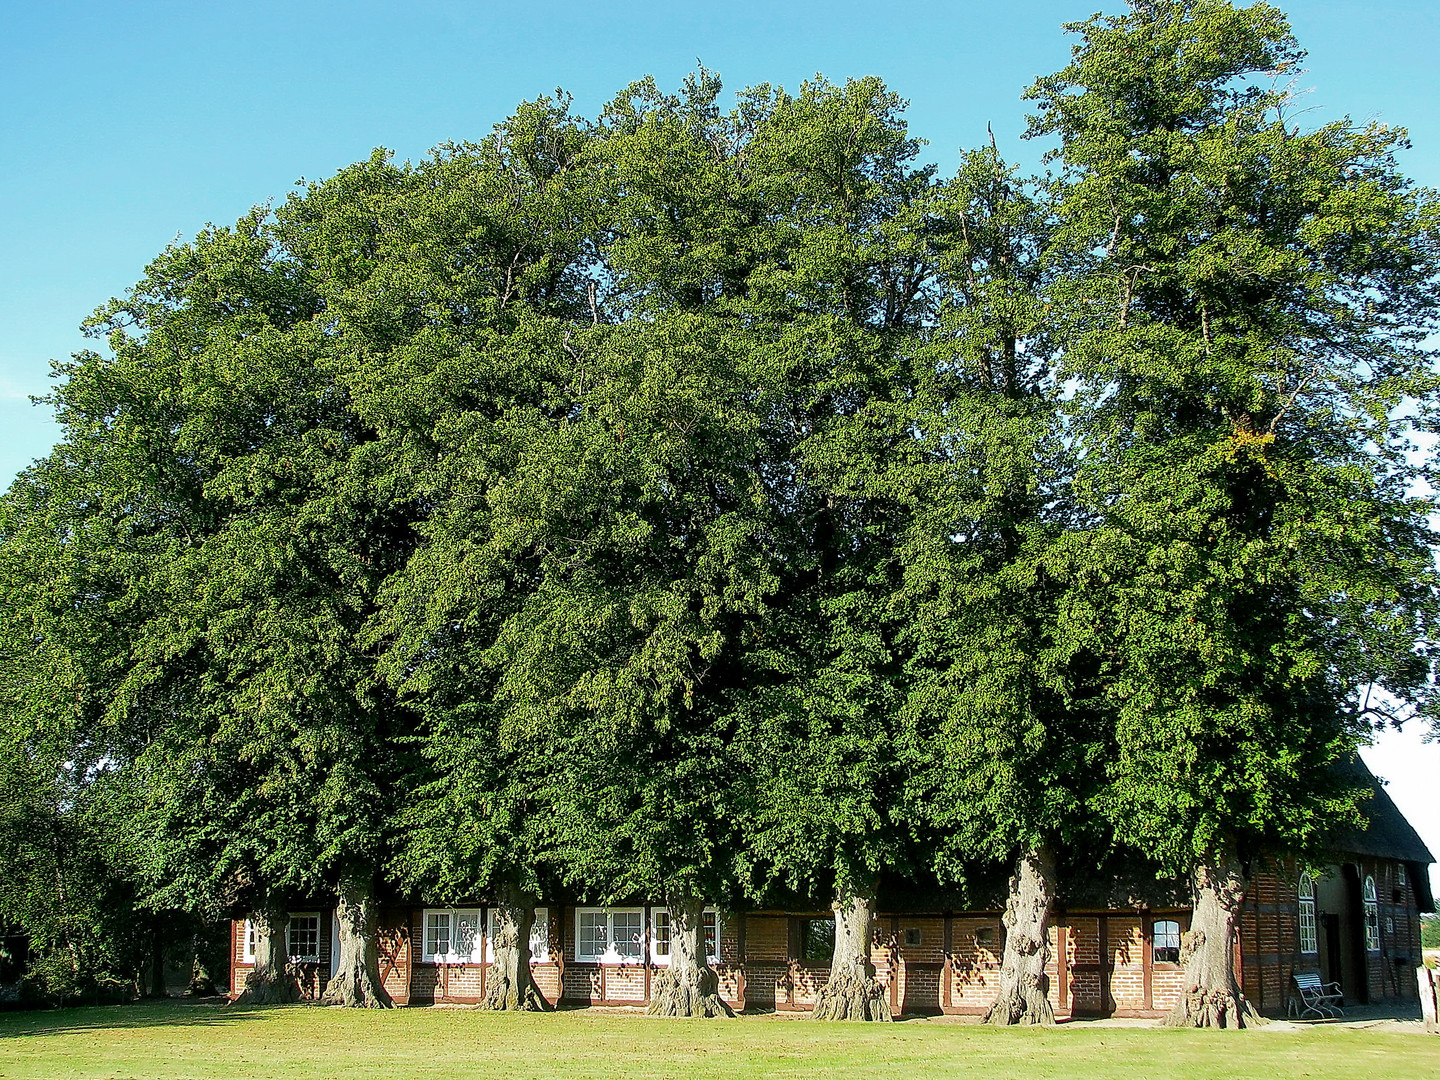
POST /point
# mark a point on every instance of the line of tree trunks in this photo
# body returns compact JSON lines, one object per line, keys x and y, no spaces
{"x":271,"y":982}
{"x":853,"y":992}
{"x":1024,"y":987}
{"x":355,"y":974}
{"x":1211,"y":996}
{"x":689,"y":986}
{"x":510,"y":987}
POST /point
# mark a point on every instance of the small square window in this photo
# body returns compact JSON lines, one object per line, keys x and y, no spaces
{"x":1166,"y":941}
{"x":304,"y":939}
{"x":912,"y":936}
{"x":817,"y":941}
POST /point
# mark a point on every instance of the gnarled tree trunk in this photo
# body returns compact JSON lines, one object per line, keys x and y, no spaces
{"x":271,"y":983}
{"x":355,"y":974}
{"x":1211,"y":997}
{"x":853,"y":992}
{"x":1024,"y":986}
{"x":509,"y":987}
{"x":689,"y":986}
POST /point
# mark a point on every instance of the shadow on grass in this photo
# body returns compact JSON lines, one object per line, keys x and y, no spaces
{"x":138,"y":1015}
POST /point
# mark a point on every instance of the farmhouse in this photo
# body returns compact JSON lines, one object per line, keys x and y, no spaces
{"x":1355,"y":921}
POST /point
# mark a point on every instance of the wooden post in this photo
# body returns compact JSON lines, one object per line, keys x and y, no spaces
{"x":740,"y":981}
{"x":895,"y":964}
{"x":558,"y":927}
{"x":1104,"y":934}
{"x":1147,"y":960}
{"x":645,"y":957}
{"x":948,"y":974}
{"x":1062,"y":965}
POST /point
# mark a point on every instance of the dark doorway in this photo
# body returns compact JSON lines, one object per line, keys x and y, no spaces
{"x":1331,"y":970}
{"x":1357,"y":988}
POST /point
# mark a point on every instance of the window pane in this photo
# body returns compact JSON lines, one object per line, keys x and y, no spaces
{"x":437,"y":933}
{"x":593,"y":933}
{"x":540,"y":935}
{"x":818,"y":945}
{"x":304,"y":940}
{"x":662,"y":933}
{"x":466,"y":931}
{"x":627,"y":929}
{"x":712,"y":940}
{"x":1166,"y":941}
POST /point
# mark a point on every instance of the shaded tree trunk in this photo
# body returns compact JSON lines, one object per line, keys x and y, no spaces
{"x":1211,"y":996}
{"x":157,"y":957}
{"x":689,"y":986}
{"x":853,"y":992}
{"x":355,"y":974}
{"x":1024,"y":986}
{"x":510,"y":987}
{"x":271,"y":983}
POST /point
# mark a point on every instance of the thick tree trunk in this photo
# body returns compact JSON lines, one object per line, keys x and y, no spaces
{"x":853,"y":992}
{"x":355,"y":973}
{"x":1024,"y":986}
{"x":509,"y":987}
{"x":689,"y":986}
{"x":271,"y":983}
{"x":1211,"y":997}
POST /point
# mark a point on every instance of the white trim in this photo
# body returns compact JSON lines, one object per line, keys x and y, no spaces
{"x":1305,"y":924}
{"x":459,"y":922}
{"x":1372,"y":916}
{"x":610,"y":955}
{"x":247,"y":948}
{"x":662,"y":959}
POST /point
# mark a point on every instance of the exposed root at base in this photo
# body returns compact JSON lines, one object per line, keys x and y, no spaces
{"x":670,"y":997}
{"x":852,"y":997}
{"x":269,"y":987}
{"x":1212,"y":1009}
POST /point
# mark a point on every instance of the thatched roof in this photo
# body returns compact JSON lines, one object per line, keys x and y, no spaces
{"x":1388,"y":835}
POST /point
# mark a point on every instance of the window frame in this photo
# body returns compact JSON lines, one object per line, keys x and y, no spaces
{"x":1155,"y":935}
{"x":610,"y":955}
{"x":804,"y":942}
{"x":247,"y":943}
{"x":452,"y":957}
{"x":296,"y":958}
{"x":660,"y":959}
{"x":1306,"y":926}
{"x":1372,"y":915}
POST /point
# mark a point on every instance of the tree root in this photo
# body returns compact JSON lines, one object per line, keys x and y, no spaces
{"x":852,"y":997}
{"x":671,"y":997}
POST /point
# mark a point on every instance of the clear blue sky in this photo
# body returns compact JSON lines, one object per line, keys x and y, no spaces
{"x":126,"y":125}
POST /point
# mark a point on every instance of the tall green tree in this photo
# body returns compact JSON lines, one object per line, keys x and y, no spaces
{"x":1248,"y":365}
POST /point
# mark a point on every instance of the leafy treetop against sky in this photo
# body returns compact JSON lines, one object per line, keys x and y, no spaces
{"x":126,"y":128}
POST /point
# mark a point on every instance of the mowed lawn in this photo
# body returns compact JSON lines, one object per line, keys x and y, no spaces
{"x":214,"y":1042}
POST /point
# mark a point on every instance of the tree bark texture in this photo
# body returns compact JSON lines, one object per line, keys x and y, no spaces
{"x":509,"y":987}
{"x":271,"y":982}
{"x":853,"y":992}
{"x":1024,"y":986}
{"x":689,"y":986}
{"x":355,"y":974}
{"x":1211,"y":996}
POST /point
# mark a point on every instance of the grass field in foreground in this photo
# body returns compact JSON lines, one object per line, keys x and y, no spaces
{"x":217,"y":1043}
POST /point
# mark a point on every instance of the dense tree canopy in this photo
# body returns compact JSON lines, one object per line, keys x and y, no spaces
{"x":707,"y":504}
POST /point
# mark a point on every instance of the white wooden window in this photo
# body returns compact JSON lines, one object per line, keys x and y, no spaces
{"x":1400,"y":874}
{"x":539,"y":936}
{"x":1166,"y":943}
{"x":303,"y":937}
{"x":609,"y":935}
{"x":1372,"y":917}
{"x":1307,"y":915}
{"x":452,"y":936}
{"x":660,"y":935}
{"x":247,"y":955}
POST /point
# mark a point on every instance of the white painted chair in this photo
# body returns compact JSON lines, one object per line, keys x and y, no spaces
{"x":1318,"y":999}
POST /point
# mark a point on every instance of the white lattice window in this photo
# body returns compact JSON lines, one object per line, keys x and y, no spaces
{"x":1372,"y":917}
{"x":1166,"y":941}
{"x":609,"y":935}
{"x":453,"y":936}
{"x":1306,"y":894}
{"x":660,"y":935}
{"x":539,"y":936}
{"x":303,"y":937}
{"x":247,"y":954}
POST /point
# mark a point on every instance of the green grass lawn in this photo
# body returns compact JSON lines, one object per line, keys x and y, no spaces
{"x":173,"y":1041}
